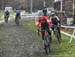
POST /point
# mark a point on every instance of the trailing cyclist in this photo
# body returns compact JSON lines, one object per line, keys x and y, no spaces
{"x":17,"y":17}
{"x":6,"y":16}
{"x":55,"y":22}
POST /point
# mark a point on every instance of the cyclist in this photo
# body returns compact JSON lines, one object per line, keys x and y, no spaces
{"x":17,"y":17}
{"x":44,"y":24}
{"x":55,"y":21}
{"x":6,"y":16}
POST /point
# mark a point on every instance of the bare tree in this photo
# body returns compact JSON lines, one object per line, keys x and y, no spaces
{"x":25,"y":4}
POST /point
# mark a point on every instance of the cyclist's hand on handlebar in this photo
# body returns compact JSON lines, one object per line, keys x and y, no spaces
{"x":50,"y":29}
{"x":59,"y":25}
{"x":38,"y":31}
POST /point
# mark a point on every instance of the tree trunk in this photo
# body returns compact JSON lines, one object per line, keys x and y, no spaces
{"x":74,"y":16}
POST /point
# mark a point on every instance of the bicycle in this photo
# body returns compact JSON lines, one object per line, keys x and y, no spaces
{"x":46,"y":42}
{"x":56,"y":33}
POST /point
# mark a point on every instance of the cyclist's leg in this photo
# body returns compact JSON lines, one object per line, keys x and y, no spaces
{"x":53,"y":29}
{"x":42,"y":35}
{"x":15,"y":19}
{"x":49,"y":32}
{"x":59,"y":32}
{"x":43,"y":38}
{"x":18,"y":20}
{"x":42,"y":32}
{"x":7,"y":18}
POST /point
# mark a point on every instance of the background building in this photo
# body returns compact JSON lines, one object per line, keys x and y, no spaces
{"x":67,"y":9}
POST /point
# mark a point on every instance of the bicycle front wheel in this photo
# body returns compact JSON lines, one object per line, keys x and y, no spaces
{"x":57,"y":35}
{"x":47,"y":44}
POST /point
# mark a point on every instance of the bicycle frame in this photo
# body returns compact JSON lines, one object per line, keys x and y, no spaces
{"x":56,"y":33}
{"x":46,"y":42}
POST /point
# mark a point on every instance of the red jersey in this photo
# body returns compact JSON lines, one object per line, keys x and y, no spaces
{"x":40,"y":20}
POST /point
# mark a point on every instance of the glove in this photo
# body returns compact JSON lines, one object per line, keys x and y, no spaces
{"x":38,"y":32}
{"x":59,"y":25}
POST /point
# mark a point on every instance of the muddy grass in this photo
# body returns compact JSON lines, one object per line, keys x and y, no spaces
{"x":23,"y":41}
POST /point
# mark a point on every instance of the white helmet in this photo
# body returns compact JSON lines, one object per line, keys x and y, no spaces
{"x":52,"y":14}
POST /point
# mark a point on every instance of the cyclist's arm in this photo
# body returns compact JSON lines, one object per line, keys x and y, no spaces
{"x":50,"y":21}
{"x":38,"y":26}
{"x":58,"y":20}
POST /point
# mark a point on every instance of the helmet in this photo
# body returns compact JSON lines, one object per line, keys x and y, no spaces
{"x":52,"y":14}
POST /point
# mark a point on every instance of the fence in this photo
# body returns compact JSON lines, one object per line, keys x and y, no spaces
{"x":72,"y":36}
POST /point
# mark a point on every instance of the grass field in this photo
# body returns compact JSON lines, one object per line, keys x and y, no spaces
{"x":65,"y":49}
{"x":1,"y":14}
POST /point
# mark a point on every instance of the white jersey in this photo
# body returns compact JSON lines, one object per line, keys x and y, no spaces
{"x":55,"y":17}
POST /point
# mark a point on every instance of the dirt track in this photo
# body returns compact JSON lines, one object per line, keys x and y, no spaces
{"x":16,"y":41}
